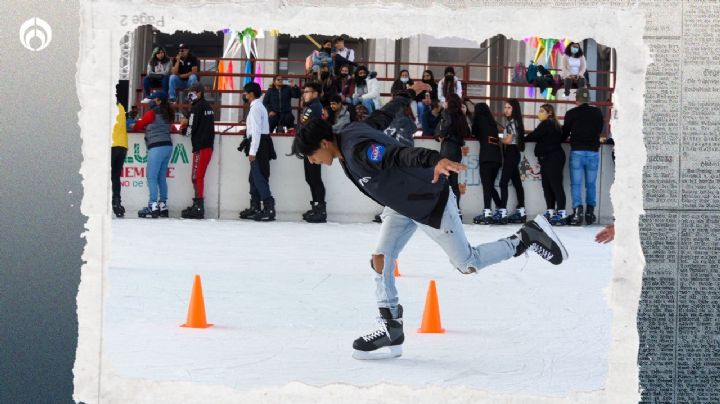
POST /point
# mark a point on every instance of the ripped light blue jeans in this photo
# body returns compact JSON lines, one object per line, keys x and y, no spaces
{"x":397,"y":229}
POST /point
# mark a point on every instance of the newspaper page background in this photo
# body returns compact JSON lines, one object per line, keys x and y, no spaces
{"x":668,"y":345}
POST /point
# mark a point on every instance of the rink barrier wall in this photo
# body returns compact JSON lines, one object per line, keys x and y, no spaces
{"x":227,"y":188}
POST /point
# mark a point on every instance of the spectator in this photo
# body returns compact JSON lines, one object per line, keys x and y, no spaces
{"x":156,"y":123}
{"x":514,"y":142}
{"x":432,"y":117}
{"x":467,"y":109}
{"x":401,"y":83}
{"x":323,"y":56}
{"x":184,"y":71}
{"x":118,"y":151}
{"x":342,"y":115}
{"x":367,"y":89}
{"x":452,"y":131}
{"x":583,"y":125}
{"x":327,"y":114}
{"x":361,"y":113}
{"x":343,"y":55}
{"x":574,"y":66}
{"x":131,"y":117}
{"x":330,"y":86}
{"x":425,"y":98}
{"x":449,"y":85}
{"x":157,"y":73}
{"x":277,"y":102}
{"x":346,"y":84}
{"x":200,"y":127}
{"x":260,"y":151}
{"x":313,"y":176}
{"x":548,"y":149}
{"x":485,"y":129}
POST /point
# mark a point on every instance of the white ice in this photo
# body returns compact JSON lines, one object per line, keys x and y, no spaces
{"x":287,"y":300}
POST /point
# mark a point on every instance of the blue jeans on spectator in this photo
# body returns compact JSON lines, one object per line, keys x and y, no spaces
{"x":583,"y":164}
{"x":148,"y":83}
{"x":421,"y":108}
{"x":396,"y":230}
{"x":176,"y":83}
{"x":156,"y":172}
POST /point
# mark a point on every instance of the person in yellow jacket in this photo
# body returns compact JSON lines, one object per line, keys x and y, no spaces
{"x":118,"y":151}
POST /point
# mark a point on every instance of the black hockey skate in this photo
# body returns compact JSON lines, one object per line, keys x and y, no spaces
{"x":151,"y":211}
{"x":196,"y":211}
{"x":117,"y":208}
{"x":318,"y":214}
{"x":250,"y":212}
{"x":267,"y":214}
{"x":164,"y":212}
{"x":538,"y":236}
{"x":385,"y":342}
{"x":589,"y":214}
{"x":576,"y":219}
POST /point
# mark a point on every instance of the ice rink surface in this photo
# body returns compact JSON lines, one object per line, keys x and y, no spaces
{"x":288,"y":299}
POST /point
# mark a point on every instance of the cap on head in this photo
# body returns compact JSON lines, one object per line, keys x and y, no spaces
{"x":183,"y":46}
{"x":583,"y":95}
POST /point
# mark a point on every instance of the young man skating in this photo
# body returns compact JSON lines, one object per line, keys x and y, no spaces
{"x":411,"y":183}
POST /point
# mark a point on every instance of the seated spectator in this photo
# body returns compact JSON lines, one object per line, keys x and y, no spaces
{"x":157,"y":73}
{"x":185,"y":67}
{"x":574,"y":67}
{"x":343,"y":55}
{"x":361,"y":113}
{"x":449,"y":85}
{"x":330,"y":86}
{"x":432,"y":117}
{"x":277,"y":101}
{"x":367,"y":89}
{"x":342,"y":115}
{"x":401,"y":83}
{"x":327,"y":114}
{"x":322,"y":56}
{"x":346,"y":83}
{"x":131,"y":117}
{"x":424,"y":98}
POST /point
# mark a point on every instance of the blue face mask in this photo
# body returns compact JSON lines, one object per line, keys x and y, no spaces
{"x":574,"y":50}
{"x":404,"y":79}
{"x":152,"y":104}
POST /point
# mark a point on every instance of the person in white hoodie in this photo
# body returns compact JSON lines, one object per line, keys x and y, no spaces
{"x":574,"y":66}
{"x":367,"y":89}
{"x":449,"y":85}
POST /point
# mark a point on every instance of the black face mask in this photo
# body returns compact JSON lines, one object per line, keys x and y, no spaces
{"x":327,"y":50}
{"x":360,"y":80}
{"x":343,"y":75}
{"x":324,"y":75}
{"x":449,"y":76}
{"x":245,"y":99}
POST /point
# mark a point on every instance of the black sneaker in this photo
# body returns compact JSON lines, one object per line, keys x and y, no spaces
{"x":385,"y":342}
{"x":538,"y":236}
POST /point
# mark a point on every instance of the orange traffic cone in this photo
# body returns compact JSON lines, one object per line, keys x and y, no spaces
{"x":396,"y":271}
{"x":196,"y":310}
{"x":431,"y":315}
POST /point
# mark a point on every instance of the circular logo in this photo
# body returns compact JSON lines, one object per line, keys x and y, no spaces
{"x":35,"y":34}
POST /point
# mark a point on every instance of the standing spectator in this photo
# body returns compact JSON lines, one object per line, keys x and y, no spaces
{"x":514,"y":142}
{"x":452,"y":131}
{"x":201,"y":130}
{"x":157,"y":72}
{"x":574,"y":66}
{"x":401,"y":83}
{"x":583,"y":125}
{"x":343,"y":55}
{"x":260,"y":151}
{"x":548,"y":149}
{"x":156,"y":123}
{"x":367,"y":89}
{"x":277,"y":102}
{"x":485,"y":129}
{"x":118,"y":151}
{"x":346,"y":84}
{"x":425,"y":98}
{"x":313,"y":176}
{"x":184,"y":71}
{"x":342,"y":115}
{"x":449,"y":85}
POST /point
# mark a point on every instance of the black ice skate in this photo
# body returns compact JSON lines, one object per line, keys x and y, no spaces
{"x":590,"y":214}
{"x":576,"y":219}
{"x":385,"y":342}
{"x":151,"y":211}
{"x":250,"y":212}
{"x":538,"y":236}
{"x":500,"y":216}
{"x":118,"y":209}
{"x":518,"y":217}
{"x":164,"y":212}
{"x":484,"y":218}
{"x":196,"y":211}
{"x":318,"y":214}
{"x":267,"y":214}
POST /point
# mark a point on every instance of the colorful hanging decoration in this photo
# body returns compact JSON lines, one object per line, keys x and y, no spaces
{"x":239,"y":41}
{"x":548,"y":50}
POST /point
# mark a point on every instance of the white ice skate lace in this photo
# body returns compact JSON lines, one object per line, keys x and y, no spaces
{"x":541,"y":251}
{"x":380,"y":331}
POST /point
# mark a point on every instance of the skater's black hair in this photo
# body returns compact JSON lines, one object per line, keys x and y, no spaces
{"x":307,"y":140}
{"x":518,"y":118}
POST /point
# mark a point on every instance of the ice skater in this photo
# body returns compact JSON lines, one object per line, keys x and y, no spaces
{"x":411,"y":182}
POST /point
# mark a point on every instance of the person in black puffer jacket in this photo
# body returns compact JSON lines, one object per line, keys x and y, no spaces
{"x":451,"y":131}
{"x":548,"y":149}
{"x":485,"y":129}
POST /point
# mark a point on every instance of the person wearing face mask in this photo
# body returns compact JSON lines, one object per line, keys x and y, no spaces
{"x":158,"y":71}
{"x":449,"y":85}
{"x":548,"y":149}
{"x":367,"y":89}
{"x":330,"y":85}
{"x":324,"y":56}
{"x":401,"y":83}
{"x":200,"y":127}
{"x":346,"y":83}
{"x":343,"y":55}
{"x":156,"y":123}
{"x":574,"y":67}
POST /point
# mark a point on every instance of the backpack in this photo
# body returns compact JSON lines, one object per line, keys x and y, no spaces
{"x":531,"y":72}
{"x":519,"y":73}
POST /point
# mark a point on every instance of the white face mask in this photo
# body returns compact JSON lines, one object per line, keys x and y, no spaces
{"x":404,"y":79}
{"x":192,"y":96}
